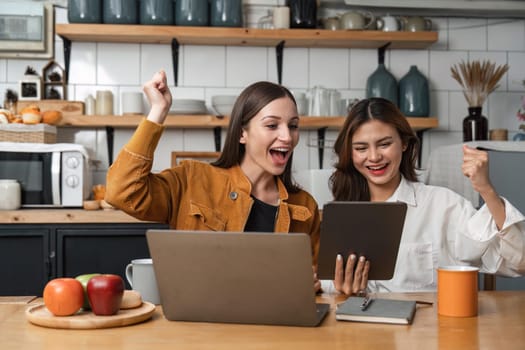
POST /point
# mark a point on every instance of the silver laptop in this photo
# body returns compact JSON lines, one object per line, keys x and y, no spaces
{"x":227,"y":277}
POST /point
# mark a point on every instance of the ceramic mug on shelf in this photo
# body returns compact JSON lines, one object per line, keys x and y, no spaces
{"x":387,"y":23}
{"x":131,"y":102}
{"x":415,"y":24}
{"x":281,"y":17}
{"x":331,"y":23}
{"x":141,"y":277}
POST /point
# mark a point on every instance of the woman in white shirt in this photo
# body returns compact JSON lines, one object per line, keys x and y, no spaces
{"x":377,"y":151}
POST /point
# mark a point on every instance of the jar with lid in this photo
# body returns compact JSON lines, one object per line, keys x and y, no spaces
{"x":11,"y":194}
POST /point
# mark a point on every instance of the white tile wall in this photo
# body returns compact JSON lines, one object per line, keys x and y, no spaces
{"x":205,"y":71}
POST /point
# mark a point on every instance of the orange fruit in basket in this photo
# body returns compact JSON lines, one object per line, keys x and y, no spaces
{"x":63,"y":296}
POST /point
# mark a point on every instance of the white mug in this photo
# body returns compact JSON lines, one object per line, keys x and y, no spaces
{"x":281,"y":17}
{"x":131,"y":103}
{"x":141,"y":276}
{"x":388,"y":24}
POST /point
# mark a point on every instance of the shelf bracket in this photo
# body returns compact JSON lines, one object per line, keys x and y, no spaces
{"x":321,"y":132}
{"x":67,"y":56}
{"x":419,"y":135}
{"x":217,"y":136}
{"x":279,"y":55}
{"x":110,"y":132}
{"x":175,"y":59}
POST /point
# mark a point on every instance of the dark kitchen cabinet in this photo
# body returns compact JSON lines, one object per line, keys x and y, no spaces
{"x":31,"y":255}
{"x":25,"y":259}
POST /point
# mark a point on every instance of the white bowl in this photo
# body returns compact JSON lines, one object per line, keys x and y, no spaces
{"x":223,"y":99}
{"x":223,"y":109}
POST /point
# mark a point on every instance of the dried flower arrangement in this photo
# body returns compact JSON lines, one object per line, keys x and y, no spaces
{"x":478,"y":79}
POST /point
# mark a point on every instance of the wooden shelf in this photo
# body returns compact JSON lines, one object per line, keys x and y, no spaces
{"x":212,"y":121}
{"x":245,"y":36}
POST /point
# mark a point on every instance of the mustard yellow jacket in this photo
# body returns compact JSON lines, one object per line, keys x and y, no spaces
{"x":197,"y":195}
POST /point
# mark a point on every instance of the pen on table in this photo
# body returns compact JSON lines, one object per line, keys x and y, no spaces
{"x":366,"y":303}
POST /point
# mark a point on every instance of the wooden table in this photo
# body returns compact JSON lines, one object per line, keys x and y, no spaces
{"x":500,"y":325}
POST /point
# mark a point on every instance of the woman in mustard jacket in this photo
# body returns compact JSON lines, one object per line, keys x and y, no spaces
{"x":249,"y":188}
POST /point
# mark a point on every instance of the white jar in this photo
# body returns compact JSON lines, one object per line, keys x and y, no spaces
{"x":10,"y":190}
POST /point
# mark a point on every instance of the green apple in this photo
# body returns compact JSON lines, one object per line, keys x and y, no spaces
{"x":84,"y":279}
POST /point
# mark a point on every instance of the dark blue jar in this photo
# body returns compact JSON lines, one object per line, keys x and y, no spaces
{"x":84,"y":11}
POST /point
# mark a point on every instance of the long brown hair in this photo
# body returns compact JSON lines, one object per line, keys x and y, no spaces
{"x":251,"y":100}
{"x":346,"y":182}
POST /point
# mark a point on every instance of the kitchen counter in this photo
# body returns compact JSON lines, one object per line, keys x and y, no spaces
{"x":64,"y":216}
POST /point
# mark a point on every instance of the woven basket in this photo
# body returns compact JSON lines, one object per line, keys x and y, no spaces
{"x":38,"y":133}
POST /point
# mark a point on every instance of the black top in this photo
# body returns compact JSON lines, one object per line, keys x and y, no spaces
{"x":262,"y":217}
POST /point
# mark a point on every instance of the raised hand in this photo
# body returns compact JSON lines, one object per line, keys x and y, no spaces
{"x":159,"y":97}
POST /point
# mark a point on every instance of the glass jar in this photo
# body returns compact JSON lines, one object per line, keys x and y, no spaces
{"x":303,"y":13}
{"x":475,"y":125}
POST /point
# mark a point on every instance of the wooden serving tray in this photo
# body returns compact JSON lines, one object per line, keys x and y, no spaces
{"x":40,"y":315}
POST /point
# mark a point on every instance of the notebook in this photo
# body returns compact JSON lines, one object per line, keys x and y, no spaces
{"x":233,"y":277}
{"x":372,"y":229}
{"x":378,"y":311}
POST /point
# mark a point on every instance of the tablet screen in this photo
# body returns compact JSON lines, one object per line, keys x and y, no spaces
{"x":372,"y":229}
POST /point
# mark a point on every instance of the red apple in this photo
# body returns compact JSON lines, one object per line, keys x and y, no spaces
{"x":105,"y":294}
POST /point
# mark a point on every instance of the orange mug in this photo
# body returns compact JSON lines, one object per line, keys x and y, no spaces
{"x":457,"y":292}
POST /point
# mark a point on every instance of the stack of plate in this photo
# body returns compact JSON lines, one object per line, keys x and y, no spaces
{"x":188,"y":106}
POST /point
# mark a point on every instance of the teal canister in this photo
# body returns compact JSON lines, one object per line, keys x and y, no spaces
{"x":191,"y":12}
{"x":382,"y":84}
{"x":84,"y":11}
{"x":120,"y":11}
{"x":157,"y":12}
{"x":226,"y":13}
{"x":414,"y":99}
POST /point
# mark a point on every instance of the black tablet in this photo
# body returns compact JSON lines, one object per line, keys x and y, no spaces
{"x":372,"y":229}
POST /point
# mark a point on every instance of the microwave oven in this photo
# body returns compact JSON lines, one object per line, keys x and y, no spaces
{"x":50,"y":175}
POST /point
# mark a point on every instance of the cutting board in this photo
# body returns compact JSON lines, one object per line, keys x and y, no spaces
{"x":39,"y":315}
{"x":68,"y":108}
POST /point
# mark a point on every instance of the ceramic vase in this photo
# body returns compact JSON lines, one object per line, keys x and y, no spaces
{"x":414,"y":94}
{"x":475,"y":125}
{"x":382,"y":84}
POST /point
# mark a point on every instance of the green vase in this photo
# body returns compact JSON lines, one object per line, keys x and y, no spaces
{"x":382,"y":84}
{"x":414,"y":94}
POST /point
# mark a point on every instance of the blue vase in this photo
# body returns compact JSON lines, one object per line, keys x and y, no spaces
{"x":520,"y":136}
{"x":382,"y":84}
{"x":414,"y":94}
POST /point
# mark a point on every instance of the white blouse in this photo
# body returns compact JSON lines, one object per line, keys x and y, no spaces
{"x":443,"y":228}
